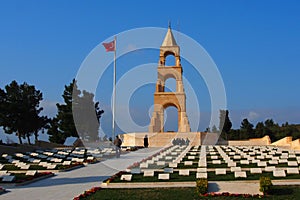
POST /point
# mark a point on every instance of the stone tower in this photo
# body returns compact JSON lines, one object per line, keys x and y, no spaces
{"x":162,"y":99}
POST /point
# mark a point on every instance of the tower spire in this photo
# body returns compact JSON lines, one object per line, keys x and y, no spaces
{"x":169,"y":38}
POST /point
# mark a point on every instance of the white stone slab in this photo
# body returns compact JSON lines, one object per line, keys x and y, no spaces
{"x":31,"y":173}
{"x":144,"y":165}
{"x":4,"y":172}
{"x":245,"y":162}
{"x":216,"y":162}
{"x":169,"y":158}
{"x":279,"y":173}
{"x":293,"y":170}
{"x":240,"y":174}
{"x":262,"y":164}
{"x":201,"y":170}
{"x":184,"y":172}
{"x":188,"y":163}
{"x":273,"y":162}
{"x":191,"y":157}
{"x":173,"y":165}
{"x":255,"y":170}
{"x":231,"y":164}
{"x":201,"y":175}
{"x":161,"y":163}
{"x":135,"y":170}
{"x":150,"y":162}
{"x":163,"y":176}
{"x":8,"y":178}
{"x":202,"y":164}
{"x":282,"y":160}
{"x":51,"y":166}
{"x":148,"y":173}
{"x":237,"y":157}
{"x":220,"y":171}
{"x":66,"y":163}
{"x":292,"y":156}
{"x":270,"y":168}
{"x":126,"y":177}
{"x":260,"y":157}
{"x":292,"y":164}
{"x":168,"y":170}
{"x":25,"y":166}
{"x":235,"y":169}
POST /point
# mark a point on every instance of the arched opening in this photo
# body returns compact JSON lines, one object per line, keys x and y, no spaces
{"x":170,"y":85}
{"x":170,"y":60}
{"x":171,"y":119}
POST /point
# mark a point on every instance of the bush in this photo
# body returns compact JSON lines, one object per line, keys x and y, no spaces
{"x":265,"y":184}
{"x":201,"y":186}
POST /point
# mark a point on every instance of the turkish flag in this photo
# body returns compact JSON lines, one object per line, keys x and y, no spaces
{"x":110,"y":46}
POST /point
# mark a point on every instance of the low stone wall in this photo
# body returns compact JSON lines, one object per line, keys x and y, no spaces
{"x":295,"y":144}
{"x":160,"y":139}
{"x":251,"y":142}
{"x":284,"y":142}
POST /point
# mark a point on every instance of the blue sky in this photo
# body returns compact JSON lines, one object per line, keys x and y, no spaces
{"x":255,"y":44}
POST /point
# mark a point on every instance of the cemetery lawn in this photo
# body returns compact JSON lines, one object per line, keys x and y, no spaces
{"x":279,"y":192}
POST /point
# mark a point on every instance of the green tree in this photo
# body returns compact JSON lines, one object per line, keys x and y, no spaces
{"x":246,"y":129}
{"x":214,"y":129}
{"x":272,"y":129}
{"x":79,"y":107}
{"x":260,"y":130}
{"x":62,"y":126}
{"x":20,"y":109}
{"x":87,"y":116}
{"x":225,"y":123}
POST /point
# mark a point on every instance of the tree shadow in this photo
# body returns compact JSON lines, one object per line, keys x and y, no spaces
{"x":213,"y":187}
{"x":281,"y":191}
{"x":65,"y":181}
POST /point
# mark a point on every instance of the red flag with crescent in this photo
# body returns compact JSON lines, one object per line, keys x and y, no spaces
{"x":110,"y":46}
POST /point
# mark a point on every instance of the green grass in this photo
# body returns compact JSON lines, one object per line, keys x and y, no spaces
{"x":37,"y":167}
{"x":230,"y":176}
{"x":174,"y":177}
{"x":10,"y":167}
{"x":278,"y":193}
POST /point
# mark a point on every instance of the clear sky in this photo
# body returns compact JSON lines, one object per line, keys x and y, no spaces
{"x":255,"y":44}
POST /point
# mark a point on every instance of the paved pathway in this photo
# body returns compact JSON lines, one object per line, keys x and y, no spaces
{"x":66,"y":185}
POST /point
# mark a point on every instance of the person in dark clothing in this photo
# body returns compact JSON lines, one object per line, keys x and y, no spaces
{"x":118,"y":143}
{"x":146,"y":142}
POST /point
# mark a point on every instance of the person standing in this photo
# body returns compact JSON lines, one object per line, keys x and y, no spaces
{"x":118,"y":143}
{"x":146,"y":142}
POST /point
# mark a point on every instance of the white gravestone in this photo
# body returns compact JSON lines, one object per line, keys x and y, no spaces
{"x":220,"y":171}
{"x":126,"y":177}
{"x":173,"y":165}
{"x":201,"y":175}
{"x":149,"y":173}
{"x":279,"y":173}
{"x":168,"y":170}
{"x":163,"y":176}
{"x":201,"y":170}
{"x":240,"y":175}
{"x":184,"y":172}
{"x":256,"y":171}
{"x":293,"y":170}
{"x":188,"y":163}
{"x":31,"y":173}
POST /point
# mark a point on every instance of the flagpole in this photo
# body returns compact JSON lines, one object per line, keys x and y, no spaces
{"x":114,"y":90}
